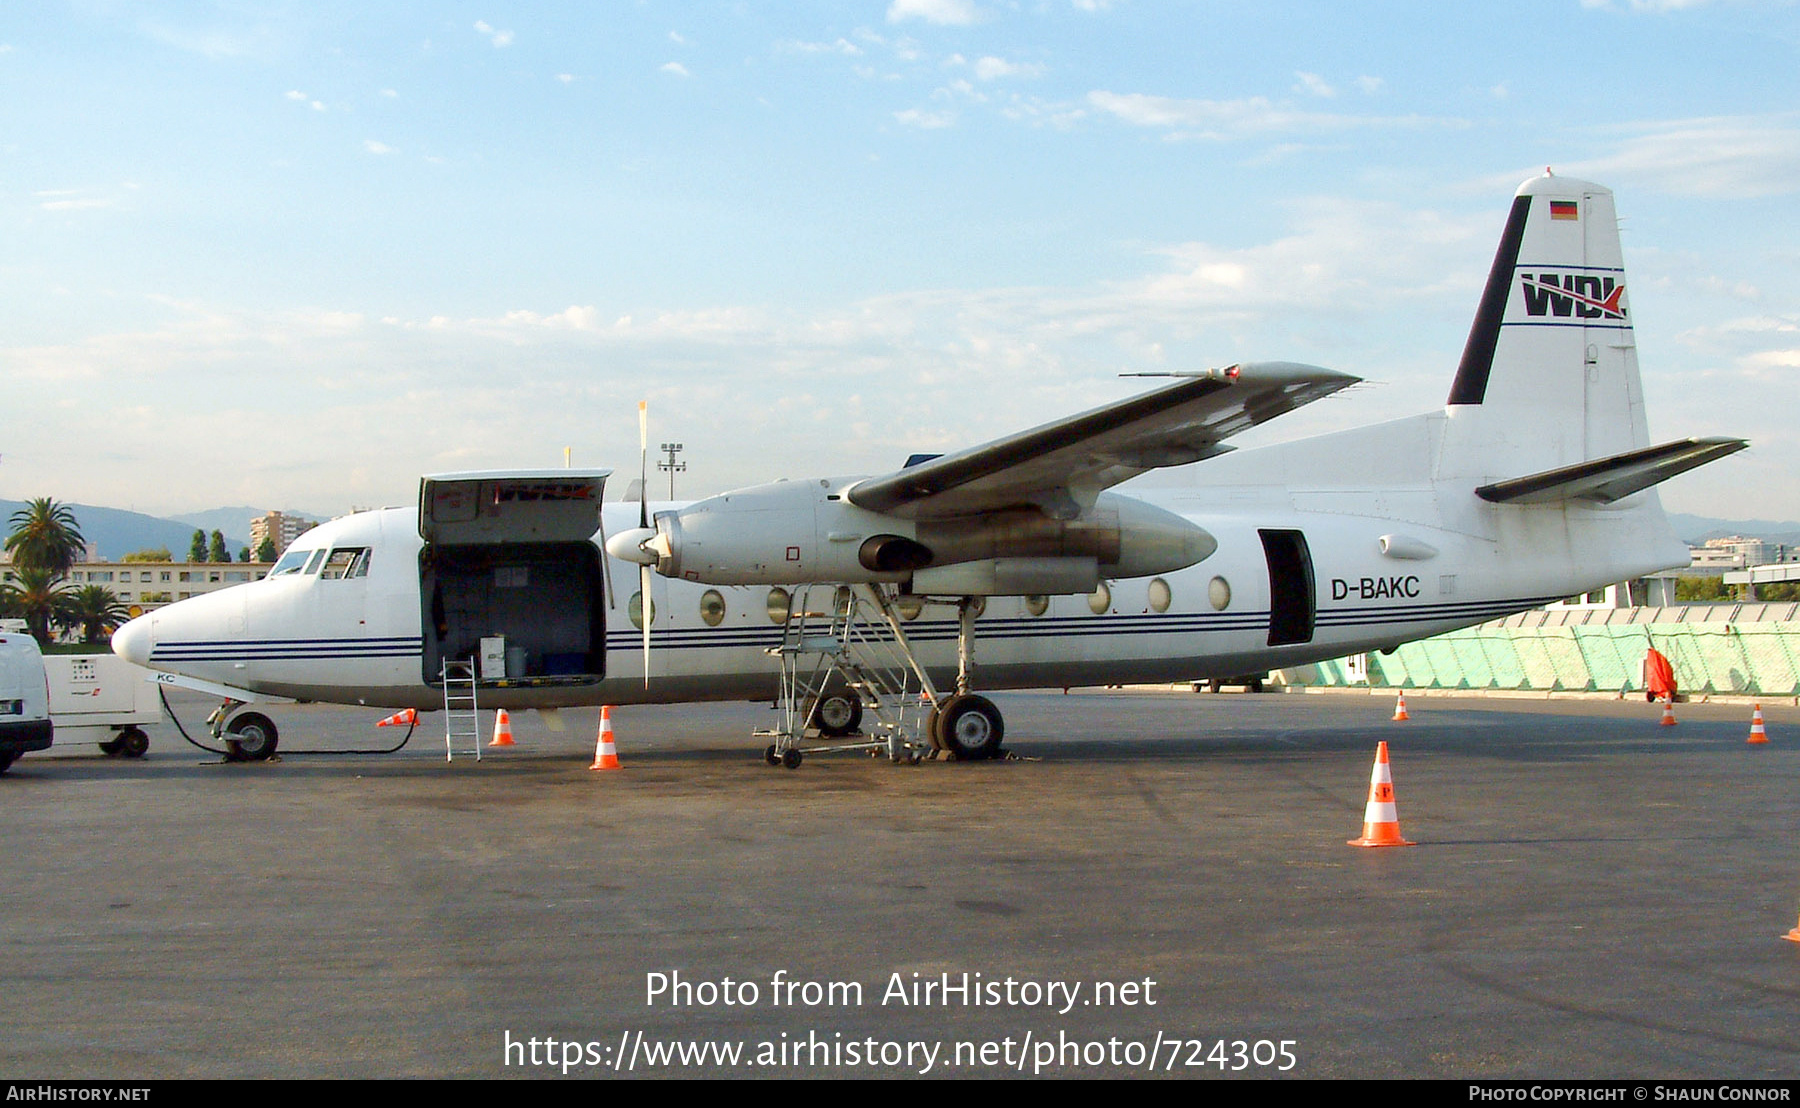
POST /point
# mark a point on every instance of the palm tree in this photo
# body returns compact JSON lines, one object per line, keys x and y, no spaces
{"x":95,"y":609}
{"x":37,"y":597}
{"x":45,"y":536}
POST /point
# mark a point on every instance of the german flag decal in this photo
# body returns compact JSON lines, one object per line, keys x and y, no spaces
{"x":1564,"y":209}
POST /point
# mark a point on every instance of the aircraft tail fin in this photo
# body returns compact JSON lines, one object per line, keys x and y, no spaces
{"x":1549,"y":374}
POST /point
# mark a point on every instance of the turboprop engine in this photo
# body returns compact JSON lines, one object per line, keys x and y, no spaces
{"x":794,"y":532}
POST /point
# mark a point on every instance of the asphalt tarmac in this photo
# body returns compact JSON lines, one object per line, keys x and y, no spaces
{"x":1160,"y":884}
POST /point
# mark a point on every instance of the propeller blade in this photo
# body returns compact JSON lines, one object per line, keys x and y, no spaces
{"x":644,"y":467}
{"x":648,"y":610}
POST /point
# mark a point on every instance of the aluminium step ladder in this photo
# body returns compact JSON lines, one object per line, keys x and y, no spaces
{"x":462,"y":715}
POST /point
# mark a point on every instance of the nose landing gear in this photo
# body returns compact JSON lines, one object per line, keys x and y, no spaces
{"x":249,"y":736}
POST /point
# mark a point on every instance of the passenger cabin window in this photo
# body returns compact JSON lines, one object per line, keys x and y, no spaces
{"x":346,"y":561}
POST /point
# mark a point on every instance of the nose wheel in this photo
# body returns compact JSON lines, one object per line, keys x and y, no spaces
{"x":249,"y":736}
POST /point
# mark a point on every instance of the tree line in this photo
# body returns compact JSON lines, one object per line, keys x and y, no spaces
{"x":45,"y":541}
{"x":202,"y":549}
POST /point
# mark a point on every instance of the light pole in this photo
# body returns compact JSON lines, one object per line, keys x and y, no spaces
{"x":672,"y":466}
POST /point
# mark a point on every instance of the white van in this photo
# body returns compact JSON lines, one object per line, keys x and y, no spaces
{"x":24,"y":697}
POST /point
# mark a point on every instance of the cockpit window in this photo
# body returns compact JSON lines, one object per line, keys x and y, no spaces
{"x":291,"y":562}
{"x":312,"y":563}
{"x":346,"y":561}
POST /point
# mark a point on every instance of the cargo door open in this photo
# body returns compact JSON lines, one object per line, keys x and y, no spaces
{"x":510,"y":577}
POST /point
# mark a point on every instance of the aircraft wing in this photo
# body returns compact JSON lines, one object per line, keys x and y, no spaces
{"x":1061,"y":466}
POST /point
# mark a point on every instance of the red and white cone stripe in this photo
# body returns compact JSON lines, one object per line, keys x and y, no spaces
{"x":1381,"y":818}
{"x":606,"y":755}
{"x":503,"y":735}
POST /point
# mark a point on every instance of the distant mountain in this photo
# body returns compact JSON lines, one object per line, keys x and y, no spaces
{"x":234,"y":523}
{"x":1697,"y":529}
{"x":118,"y":532}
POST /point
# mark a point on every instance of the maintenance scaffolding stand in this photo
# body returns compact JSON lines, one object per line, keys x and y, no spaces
{"x":842,"y":663}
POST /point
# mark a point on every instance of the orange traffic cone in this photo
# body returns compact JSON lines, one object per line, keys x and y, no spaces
{"x":606,"y":755}
{"x":1757,"y":734}
{"x":1400,"y":708}
{"x":1794,"y":935}
{"x":1668,"y":719}
{"x":503,"y":730}
{"x":1381,"y":821}
{"x":407,"y":718}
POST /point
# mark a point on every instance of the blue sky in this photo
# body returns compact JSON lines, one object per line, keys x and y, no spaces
{"x":299,"y":253}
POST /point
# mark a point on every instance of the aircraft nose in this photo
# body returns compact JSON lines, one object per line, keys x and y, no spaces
{"x":133,"y":641}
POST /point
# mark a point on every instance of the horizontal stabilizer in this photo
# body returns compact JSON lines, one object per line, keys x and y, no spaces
{"x":1605,"y":480}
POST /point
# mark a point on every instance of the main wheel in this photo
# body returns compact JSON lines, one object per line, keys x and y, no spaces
{"x":970,"y":727}
{"x":133,"y":743}
{"x":791,"y":758}
{"x":770,"y":756}
{"x":113,"y":746}
{"x":253,"y":737}
{"x":837,"y":714}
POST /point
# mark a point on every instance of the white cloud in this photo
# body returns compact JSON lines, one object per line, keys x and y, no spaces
{"x":498,"y":38}
{"x":924,"y":120}
{"x":1219,"y":119}
{"x":1038,"y":112}
{"x":675,"y":68}
{"x":75,"y":200}
{"x":211,"y":42}
{"x":1314,"y":84}
{"x":676,"y":38}
{"x":991,"y":68}
{"x":83,"y":203}
{"x":1383,"y":290}
{"x":1369,"y":86}
{"x":1647,"y":5}
{"x":959,"y":13}
{"x":566,"y":78}
{"x":389,"y":93}
{"x":1725,"y":156}
{"x":840,"y":46}
{"x":296,"y":94}
{"x":374,"y":147}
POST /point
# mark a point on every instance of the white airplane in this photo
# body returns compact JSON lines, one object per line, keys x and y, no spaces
{"x":1533,"y":483}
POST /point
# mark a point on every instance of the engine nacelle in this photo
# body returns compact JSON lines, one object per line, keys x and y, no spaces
{"x":796,"y":532}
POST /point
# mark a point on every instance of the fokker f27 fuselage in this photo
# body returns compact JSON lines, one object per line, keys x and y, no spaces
{"x":1535,"y":482}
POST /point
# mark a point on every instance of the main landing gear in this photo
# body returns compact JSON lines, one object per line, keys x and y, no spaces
{"x":839,"y":668}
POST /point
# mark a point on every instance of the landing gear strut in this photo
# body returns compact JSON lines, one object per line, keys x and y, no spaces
{"x":249,"y":736}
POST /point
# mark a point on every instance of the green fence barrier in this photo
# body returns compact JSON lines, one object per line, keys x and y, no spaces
{"x":1599,"y":651}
